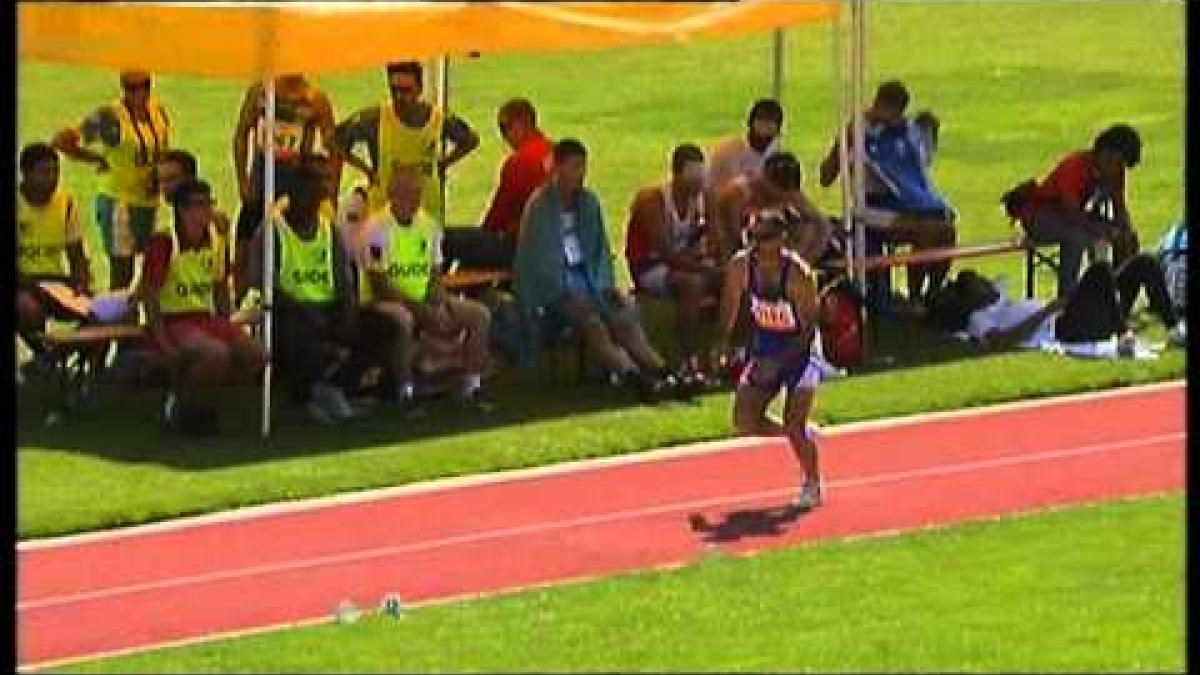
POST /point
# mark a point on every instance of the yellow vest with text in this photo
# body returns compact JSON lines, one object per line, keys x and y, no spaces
{"x":306,"y":267}
{"x":42,"y":236}
{"x":405,"y":257}
{"x":192,"y":275}
{"x":130,"y":175}
{"x":400,"y":143}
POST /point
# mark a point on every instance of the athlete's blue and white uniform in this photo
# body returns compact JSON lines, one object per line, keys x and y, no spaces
{"x":780,"y":346}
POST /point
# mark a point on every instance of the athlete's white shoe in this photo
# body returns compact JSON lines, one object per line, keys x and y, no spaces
{"x":810,"y":496}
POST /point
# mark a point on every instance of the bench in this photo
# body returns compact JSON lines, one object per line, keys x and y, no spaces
{"x":1034,"y":258}
{"x":76,"y":355}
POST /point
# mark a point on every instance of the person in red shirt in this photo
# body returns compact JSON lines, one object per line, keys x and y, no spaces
{"x":186,"y":297}
{"x":523,"y":171}
{"x":1081,"y":203}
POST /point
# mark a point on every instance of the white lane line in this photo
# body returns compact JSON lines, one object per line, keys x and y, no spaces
{"x":579,"y":466}
{"x":536,"y":528}
{"x":552,"y":583}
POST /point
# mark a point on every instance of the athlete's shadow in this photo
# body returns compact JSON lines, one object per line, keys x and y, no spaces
{"x":735,"y":525}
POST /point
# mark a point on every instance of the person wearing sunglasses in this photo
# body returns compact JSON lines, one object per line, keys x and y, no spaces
{"x":405,"y":130}
{"x":185,"y":294}
{"x":777,"y":289}
{"x":304,"y":131}
{"x":1081,"y":203}
{"x":128,"y":134}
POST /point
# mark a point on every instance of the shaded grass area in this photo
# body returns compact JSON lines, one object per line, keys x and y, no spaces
{"x":1087,"y":589}
{"x":109,"y":466}
{"x":1015,"y":84}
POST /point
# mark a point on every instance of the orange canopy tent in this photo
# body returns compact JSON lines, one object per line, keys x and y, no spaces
{"x":264,"y":39}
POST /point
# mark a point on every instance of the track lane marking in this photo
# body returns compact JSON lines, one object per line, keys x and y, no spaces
{"x":598,"y":519}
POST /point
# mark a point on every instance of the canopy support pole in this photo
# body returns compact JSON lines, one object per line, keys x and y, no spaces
{"x":268,"y":231}
{"x":777,"y":57}
{"x":858,"y":79}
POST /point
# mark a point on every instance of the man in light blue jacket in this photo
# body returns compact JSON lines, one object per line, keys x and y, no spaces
{"x":563,"y":275}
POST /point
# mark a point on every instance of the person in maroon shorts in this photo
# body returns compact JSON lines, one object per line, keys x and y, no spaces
{"x":185,"y":293}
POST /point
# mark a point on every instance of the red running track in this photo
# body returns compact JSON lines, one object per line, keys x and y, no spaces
{"x":142,"y":587}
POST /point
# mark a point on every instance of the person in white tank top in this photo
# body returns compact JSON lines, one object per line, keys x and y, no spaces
{"x":670,"y":251}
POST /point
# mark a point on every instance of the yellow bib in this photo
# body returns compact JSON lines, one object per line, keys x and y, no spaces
{"x":42,"y":236}
{"x":404,"y":254}
{"x":399,"y":143}
{"x":191,"y":277}
{"x":130,"y":175}
{"x":306,"y":267}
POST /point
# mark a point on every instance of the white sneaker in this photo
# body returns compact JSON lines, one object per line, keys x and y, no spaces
{"x":333,"y":400}
{"x":1177,"y":336}
{"x":810,"y":496}
{"x":318,"y":412}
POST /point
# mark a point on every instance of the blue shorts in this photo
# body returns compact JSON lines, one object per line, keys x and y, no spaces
{"x":125,"y":229}
{"x":769,"y":374}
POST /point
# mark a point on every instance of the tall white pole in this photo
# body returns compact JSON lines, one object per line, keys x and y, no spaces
{"x":841,"y":61}
{"x":777,"y":57}
{"x":859,"y":172}
{"x":268,"y":274}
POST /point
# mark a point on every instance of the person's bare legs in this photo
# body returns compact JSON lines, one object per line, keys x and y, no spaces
{"x":400,"y":360}
{"x":628,"y":332}
{"x":796,"y":411}
{"x":596,"y":337}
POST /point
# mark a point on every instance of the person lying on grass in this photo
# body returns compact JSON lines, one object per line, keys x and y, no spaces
{"x":185,"y":293}
{"x":1095,"y":310}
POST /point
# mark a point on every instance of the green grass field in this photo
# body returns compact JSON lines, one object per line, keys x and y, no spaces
{"x":1015,"y":84}
{"x":1088,"y":589}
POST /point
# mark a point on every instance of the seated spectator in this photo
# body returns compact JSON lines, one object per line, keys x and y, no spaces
{"x":402,"y":295}
{"x":1097,"y":309}
{"x":563,"y":273}
{"x":315,"y":342}
{"x":1081,"y":203}
{"x":187,"y":304}
{"x":903,"y":205}
{"x":174,"y":167}
{"x":526,"y":168}
{"x":670,"y":250}
{"x":49,"y":248}
{"x":745,"y":154}
{"x":303,"y":130}
{"x":778,"y":187}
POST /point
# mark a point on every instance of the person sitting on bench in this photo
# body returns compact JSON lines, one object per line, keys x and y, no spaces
{"x":185,"y":294}
{"x":315,"y":306}
{"x":49,"y":249}
{"x":1097,"y":309}
{"x":401,"y":291}
{"x":563,"y":275}
{"x":903,"y":205}
{"x":1081,"y":203}
{"x":778,"y":187}
{"x":671,"y":250}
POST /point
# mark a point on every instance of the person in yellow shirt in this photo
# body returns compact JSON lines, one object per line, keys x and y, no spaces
{"x":405,"y":129}
{"x":402,"y":295}
{"x":187,"y":305}
{"x":49,"y":245}
{"x":304,"y":120}
{"x":132,"y":133}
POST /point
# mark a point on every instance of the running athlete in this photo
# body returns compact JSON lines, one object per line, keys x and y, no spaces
{"x":781,"y":294}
